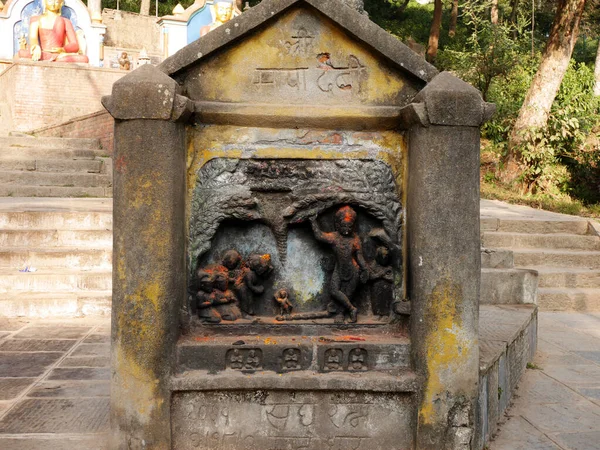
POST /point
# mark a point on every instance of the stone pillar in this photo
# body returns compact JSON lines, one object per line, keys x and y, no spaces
{"x":443,"y":249}
{"x":148,"y":254}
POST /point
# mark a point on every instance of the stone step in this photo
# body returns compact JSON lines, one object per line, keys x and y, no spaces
{"x":21,"y":178}
{"x":54,"y":280}
{"x":508,"y":286}
{"x":56,"y":220}
{"x":56,"y":304}
{"x":48,"y":142}
{"x":8,"y":154}
{"x":527,"y":258}
{"x":562,"y":299}
{"x":81,"y":259}
{"x":56,"y":238}
{"x":53,"y":165}
{"x":55,"y":191}
{"x":550,"y":241}
{"x":575,"y":226}
{"x":560,"y":277}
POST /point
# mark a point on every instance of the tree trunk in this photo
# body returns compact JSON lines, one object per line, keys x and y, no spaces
{"x":145,"y":8}
{"x":597,"y":72}
{"x":514,"y":16}
{"x":514,"y":11}
{"x":434,"y":34}
{"x":402,"y":8}
{"x":453,"y":18}
{"x":494,"y":12}
{"x":545,"y":85}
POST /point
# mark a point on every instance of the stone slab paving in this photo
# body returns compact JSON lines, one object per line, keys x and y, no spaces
{"x":54,"y":384}
{"x":557,"y":405}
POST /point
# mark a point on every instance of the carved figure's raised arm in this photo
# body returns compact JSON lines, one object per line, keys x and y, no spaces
{"x":328,"y":238}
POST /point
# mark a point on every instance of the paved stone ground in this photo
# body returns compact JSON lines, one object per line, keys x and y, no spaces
{"x":54,"y":384}
{"x":557,"y":405}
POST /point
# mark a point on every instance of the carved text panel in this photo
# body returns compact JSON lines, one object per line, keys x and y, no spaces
{"x":261,"y":420}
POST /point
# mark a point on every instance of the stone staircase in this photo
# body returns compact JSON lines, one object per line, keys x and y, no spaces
{"x":564,"y":251}
{"x":53,"y":167}
{"x":55,"y":257}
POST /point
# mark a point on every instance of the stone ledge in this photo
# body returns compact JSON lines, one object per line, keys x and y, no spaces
{"x":508,"y":340}
{"x":59,"y":65}
{"x":229,"y":380}
{"x":508,"y":286}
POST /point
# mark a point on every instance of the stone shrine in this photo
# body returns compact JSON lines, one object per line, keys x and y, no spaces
{"x":296,"y":241}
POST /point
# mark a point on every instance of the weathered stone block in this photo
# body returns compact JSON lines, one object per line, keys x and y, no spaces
{"x":258,"y":420}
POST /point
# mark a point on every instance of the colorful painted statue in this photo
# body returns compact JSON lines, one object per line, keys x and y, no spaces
{"x":52,"y":37}
{"x":223,"y":12}
{"x":350,"y":265}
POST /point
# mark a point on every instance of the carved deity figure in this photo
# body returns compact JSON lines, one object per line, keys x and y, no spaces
{"x":257,"y":270}
{"x":282,"y":298}
{"x":381,"y":274}
{"x":350,"y":265}
{"x":214,"y":301}
{"x":52,"y":37}
{"x":223,"y":12}
{"x":227,"y":304}
{"x":205,"y":298}
{"x":232,"y":260}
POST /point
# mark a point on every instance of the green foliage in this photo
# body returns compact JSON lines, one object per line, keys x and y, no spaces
{"x":560,"y":158}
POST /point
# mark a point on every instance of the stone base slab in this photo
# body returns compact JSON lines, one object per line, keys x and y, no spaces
{"x":259,"y":420}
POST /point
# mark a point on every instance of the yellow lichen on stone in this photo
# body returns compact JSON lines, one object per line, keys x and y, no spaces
{"x":302,"y":58}
{"x":446,"y":349}
{"x":137,"y":386}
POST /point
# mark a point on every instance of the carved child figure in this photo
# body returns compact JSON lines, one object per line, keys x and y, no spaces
{"x":224,"y":298}
{"x":283,"y":300}
{"x":232,"y":260}
{"x":382,"y":276}
{"x":205,"y":298}
{"x":257,"y":270}
{"x":350,"y":265}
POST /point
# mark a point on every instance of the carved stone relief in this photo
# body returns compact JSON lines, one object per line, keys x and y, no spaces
{"x":295,"y":240}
